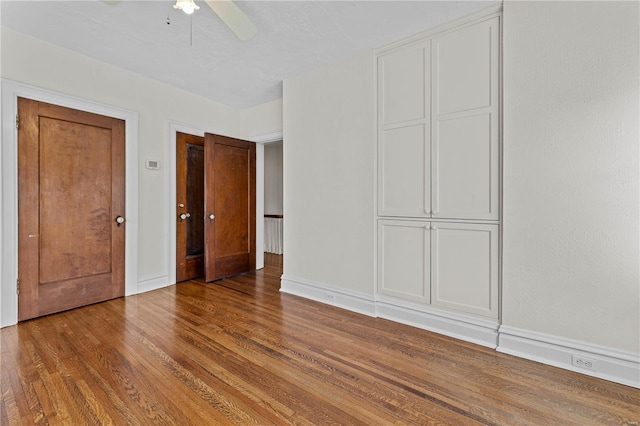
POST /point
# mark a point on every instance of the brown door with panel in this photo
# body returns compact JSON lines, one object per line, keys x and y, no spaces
{"x":71,"y":206}
{"x":230,"y":206}
{"x":190,"y":197}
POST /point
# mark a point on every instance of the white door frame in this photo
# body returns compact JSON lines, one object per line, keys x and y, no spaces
{"x":261,"y":141}
{"x":11,"y":91}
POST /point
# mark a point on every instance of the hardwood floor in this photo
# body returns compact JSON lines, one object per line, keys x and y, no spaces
{"x":240,"y":352}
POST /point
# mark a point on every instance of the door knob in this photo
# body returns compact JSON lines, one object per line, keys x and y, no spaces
{"x":212,"y":216}
{"x":119,"y":220}
{"x":184,"y":216}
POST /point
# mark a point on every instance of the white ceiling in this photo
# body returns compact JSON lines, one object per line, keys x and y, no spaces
{"x":295,"y":36}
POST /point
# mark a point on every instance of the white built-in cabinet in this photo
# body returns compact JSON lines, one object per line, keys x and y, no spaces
{"x":438,"y":173}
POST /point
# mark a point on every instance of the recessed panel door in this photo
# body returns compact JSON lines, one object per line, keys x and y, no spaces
{"x":71,"y":206}
{"x":230,"y":206}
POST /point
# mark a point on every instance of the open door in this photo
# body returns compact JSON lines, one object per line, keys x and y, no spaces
{"x":230,"y":206}
{"x":190,"y":197}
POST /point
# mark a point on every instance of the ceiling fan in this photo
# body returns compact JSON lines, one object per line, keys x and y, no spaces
{"x":228,"y":11}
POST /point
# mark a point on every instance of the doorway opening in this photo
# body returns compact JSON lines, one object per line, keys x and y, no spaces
{"x":215,"y":206}
{"x":273,"y":203}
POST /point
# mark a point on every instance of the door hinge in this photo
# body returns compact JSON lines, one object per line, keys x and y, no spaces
{"x":17,"y":122}
{"x":18,"y":286}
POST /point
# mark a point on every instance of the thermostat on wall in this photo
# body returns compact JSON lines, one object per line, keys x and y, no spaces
{"x":153,"y":164}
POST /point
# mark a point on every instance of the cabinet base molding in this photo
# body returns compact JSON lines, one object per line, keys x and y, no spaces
{"x":615,"y":366}
{"x":459,"y":326}
{"x":470,"y":329}
{"x":349,"y":300}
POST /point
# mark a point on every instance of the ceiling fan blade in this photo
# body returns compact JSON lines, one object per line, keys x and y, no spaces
{"x":234,"y":17}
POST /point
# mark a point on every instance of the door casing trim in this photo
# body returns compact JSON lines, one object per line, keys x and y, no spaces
{"x":11,"y":91}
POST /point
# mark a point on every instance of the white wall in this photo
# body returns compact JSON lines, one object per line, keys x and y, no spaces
{"x":262,"y":124}
{"x":262,"y":120}
{"x":44,"y":65}
{"x":329,"y":147}
{"x":273,"y":178}
{"x":571,"y":236}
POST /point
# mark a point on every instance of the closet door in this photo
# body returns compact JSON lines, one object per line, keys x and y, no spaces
{"x":403,"y":259}
{"x":404,"y":158}
{"x":464,"y":267}
{"x":465,"y":123}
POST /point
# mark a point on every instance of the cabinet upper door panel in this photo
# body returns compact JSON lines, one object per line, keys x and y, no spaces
{"x":403,"y":90}
{"x":403,"y":172}
{"x":465,"y":123}
{"x":466,"y":68}
{"x":465,"y":168}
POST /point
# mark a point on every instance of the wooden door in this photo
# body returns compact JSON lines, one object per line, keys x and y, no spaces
{"x":230,"y":206}
{"x":190,"y":208}
{"x":71,"y":206}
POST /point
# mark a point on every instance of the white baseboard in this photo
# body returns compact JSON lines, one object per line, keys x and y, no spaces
{"x":615,"y":366}
{"x":351,"y":301}
{"x":483,"y":332}
{"x":153,"y":283}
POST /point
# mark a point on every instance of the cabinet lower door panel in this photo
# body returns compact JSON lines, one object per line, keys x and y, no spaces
{"x":403,"y":260}
{"x":464,"y":267}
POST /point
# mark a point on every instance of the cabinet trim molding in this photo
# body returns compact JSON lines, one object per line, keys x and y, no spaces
{"x":459,"y":326}
{"x":482,"y":14}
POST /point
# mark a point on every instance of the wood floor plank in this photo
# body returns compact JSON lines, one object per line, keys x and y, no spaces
{"x":238,"y":351}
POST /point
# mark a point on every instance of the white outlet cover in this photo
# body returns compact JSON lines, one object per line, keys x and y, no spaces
{"x":582,"y":362}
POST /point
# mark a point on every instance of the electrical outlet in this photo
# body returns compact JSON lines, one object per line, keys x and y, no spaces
{"x":582,"y":362}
